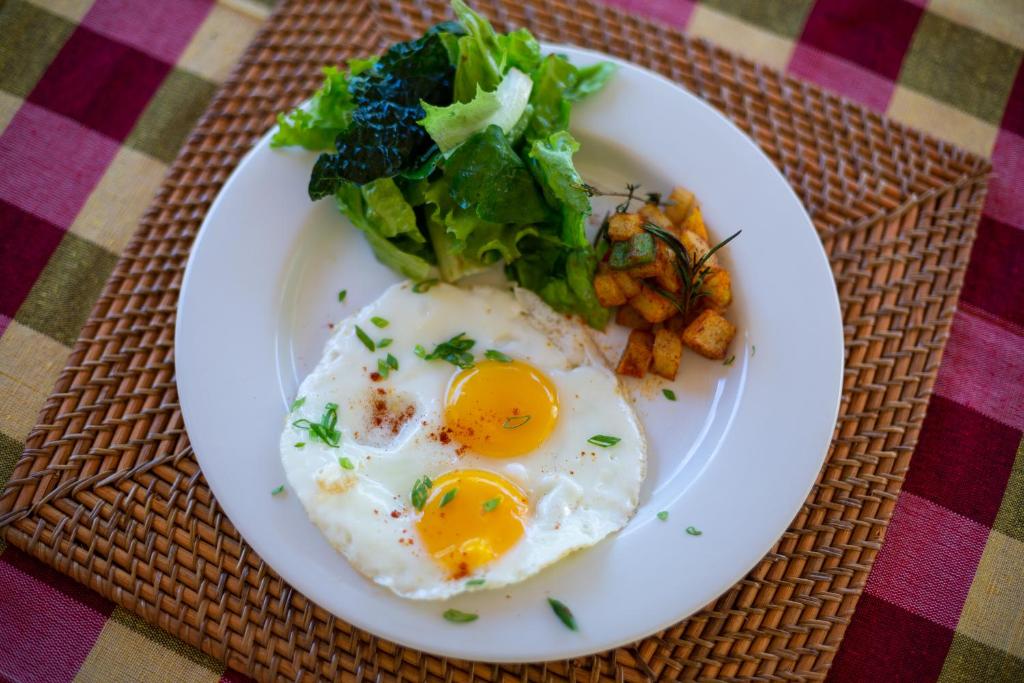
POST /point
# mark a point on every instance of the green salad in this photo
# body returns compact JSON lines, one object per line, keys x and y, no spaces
{"x":451,"y":153}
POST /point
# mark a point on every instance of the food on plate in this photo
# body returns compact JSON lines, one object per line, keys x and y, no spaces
{"x":451,"y":153}
{"x":660,"y":270}
{"x":468,"y":451}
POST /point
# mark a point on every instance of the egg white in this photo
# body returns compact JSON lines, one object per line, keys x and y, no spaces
{"x":579,"y":493}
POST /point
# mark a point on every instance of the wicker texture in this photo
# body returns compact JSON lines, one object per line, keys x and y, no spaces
{"x":109,"y":492}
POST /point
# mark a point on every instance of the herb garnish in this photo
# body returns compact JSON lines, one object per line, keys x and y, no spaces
{"x":346,"y":463}
{"x":424,"y":285}
{"x":365,"y":338}
{"x":455,"y":351}
{"x":516,"y":421}
{"x":278,"y":490}
{"x":603,"y":440}
{"x":297,"y":403}
{"x":448,"y":497}
{"x":325,"y":429}
{"x":300,"y":444}
{"x":730,"y":360}
{"x":753,"y":350}
{"x":494,"y":354}
{"x":384,"y":343}
{"x":392,"y":362}
{"x":491,"y":504}
{"x":420,"y":491}
{"x":476,"y":582}
{"x":663,"y":515}
{"x":693,"y":531}
{"x":669,"y":394}
{"x":379,"y":322}
{"x":563,"y":613}
{"x":457,"y":617}
{"x":342,"y":294}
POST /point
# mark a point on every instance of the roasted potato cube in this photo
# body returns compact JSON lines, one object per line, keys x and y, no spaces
{"x":627,"y":316}
{"x":652,"y":214}
{"x":652,"y":306}
{"x":626,"y":283}
{"x":676,"y":323}
{"x":608,"y":291}
{"x":668,"y":349}
{"x":667,"y":275}
{"x":636,"y":357}
{"x":622,"y":226}
{"x":696,"y":246}
{"x":683,"y":203}
{"x":637,"y":250}
{"x":718,"y":286}
{"x":709,"y":334}
{"x":695,"y":223}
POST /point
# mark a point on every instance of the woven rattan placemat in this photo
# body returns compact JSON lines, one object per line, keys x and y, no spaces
{"x":109,"y":492}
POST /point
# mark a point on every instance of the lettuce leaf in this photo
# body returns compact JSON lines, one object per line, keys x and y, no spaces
{"x":557,"y":84}
{"x":488,"y":176}
{"x":328,"y":113}
{"x":481,"y":54}
{"x":503,"y":107}
{"x":551,"y":163}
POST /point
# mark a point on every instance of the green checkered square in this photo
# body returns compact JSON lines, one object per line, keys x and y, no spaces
{"x":32,"y":37}
{"x":1010,"y":519}
{"x":961,"y":67}
{"x":65,"y":292}
{"x":167,"y":641}
{"x":10,"y":451}
{"x":969,"y":661}
{"x":784,"y":17}
{"x":171,"y":114}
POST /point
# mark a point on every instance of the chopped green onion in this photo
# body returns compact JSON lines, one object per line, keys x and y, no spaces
{"x":342,"y":294}
{"x":420,"y":491}
{"x":384,"y":343}
{"x":379,"y":322}
{"x":669,"y":394}
{"x":457,"y":617}
{"x":346,"y":463}
{"x":753,"y":350}
{"x":325,"y":430}
{"x":476,"y":582}
{"x":382,"y":368}
{"x":492,"y":503}
{"x":693,"y":531}
{"x":516,"y":421}
{"x":455,"y":351}
{"x":448,"y":497}
{"x":392,"y":362}
{"x":563,"y":613}
{"x":297,"y":403}
{"x":365,"y":338}
{"x":300,"y":444}
{"x":603,"y":440}
{"x":278,"y":490}
{"x":729,"y":360}
{"x":420,"y":351}
{"x":663,"y":515}
{"x":494,"y":354}
{"x":424,"y":285}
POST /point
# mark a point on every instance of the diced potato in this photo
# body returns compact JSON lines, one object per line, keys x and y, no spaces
{"x":626,"y":283}
{"x":636,"y":357}
{"x":695,"y":223}
{"x":652,"y":306}
{"x":608,"y":291}
{"x":627,"y":316}
{"x":676,"y":323}
{"x":652,"y":214}
{"x":696,"y":246}
{"x":683,"y":203}
{"x":668,"y":349}
{"x":718,"y":285}
{"x":709,"y":334}
{"x":622,"y":226}
{"x":667,"y":274}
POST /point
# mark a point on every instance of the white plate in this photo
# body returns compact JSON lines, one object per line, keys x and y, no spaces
{"x":734,"y":457}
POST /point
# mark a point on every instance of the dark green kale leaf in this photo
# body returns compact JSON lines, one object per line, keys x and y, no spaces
{"x":382,"y":138}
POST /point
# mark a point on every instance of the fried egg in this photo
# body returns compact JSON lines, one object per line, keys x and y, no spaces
{"x":445,"y":441}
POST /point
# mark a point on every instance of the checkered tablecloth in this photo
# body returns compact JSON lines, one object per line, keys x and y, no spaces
{"x":96,"y":96}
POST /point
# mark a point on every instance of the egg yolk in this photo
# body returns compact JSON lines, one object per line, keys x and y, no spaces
{"x":471,"y":517}
{"x":501,"y":409}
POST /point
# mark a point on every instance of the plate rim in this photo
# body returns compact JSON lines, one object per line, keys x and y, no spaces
{"x":582,"y":649}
